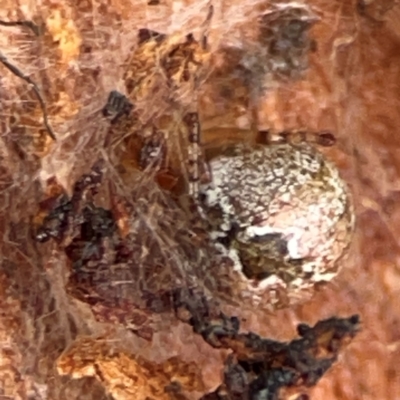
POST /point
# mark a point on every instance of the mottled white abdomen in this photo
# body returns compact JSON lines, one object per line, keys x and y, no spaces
{"x":281,"y":211}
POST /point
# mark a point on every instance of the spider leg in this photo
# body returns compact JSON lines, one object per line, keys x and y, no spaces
{"x":254,"y":119}
{"x":153,"y":152}
{"x":321,"y":138}
{"x":192,"y":123}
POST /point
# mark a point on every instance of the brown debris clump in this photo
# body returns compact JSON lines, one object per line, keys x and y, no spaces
{"x":272,"y":370}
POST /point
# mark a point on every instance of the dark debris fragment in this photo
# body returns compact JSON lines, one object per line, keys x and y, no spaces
{"x":76,"y":222}
{"x":55,"y":223}
{"x":63,"y":214}
{"x":268,"y":366}
{"x":116,"y":105}
{"x":285,"y":33}
{"x":376,"y":10}
{"x":97,"y":224}
{"x":260,"y":368}
{"x":145,"y":35}
{"x":283,"y":47}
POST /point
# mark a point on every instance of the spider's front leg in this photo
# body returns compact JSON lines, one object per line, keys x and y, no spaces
{"x":198,"y":170}
{"x":191,"y":120}
{"x":153,"y":152}
{"x":321,"y":138}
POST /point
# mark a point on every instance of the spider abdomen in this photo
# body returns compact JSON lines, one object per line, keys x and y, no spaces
{"x":281,"y":210}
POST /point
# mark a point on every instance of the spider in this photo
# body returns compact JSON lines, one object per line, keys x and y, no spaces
{"x":276,"y":208}
{"x":279,"y":209}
